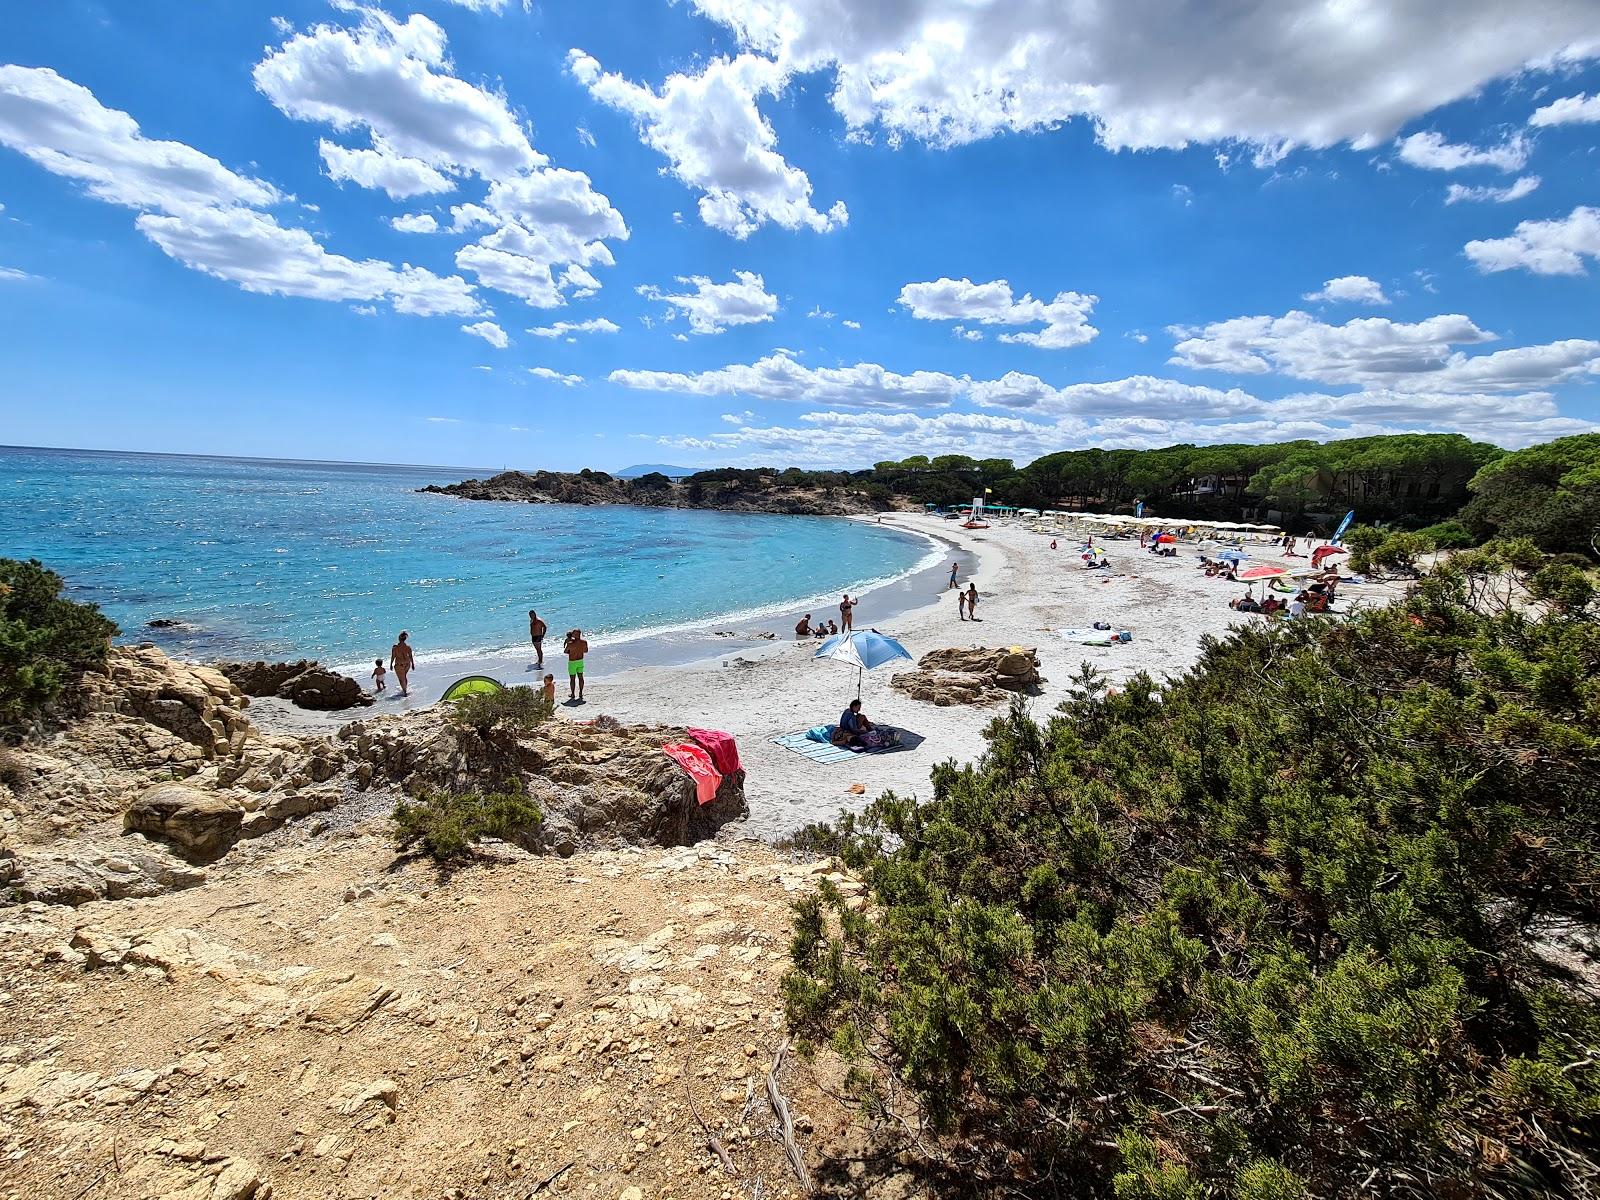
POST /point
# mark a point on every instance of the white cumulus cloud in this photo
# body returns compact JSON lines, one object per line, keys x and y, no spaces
{"x":779,"y":377}
{"x":251,"y":249}
{"x":713,"y":307}
{"x":196,"y":210}
{"x":1349,"y":289}
{"x":555,"y":376}
{"x":1457,"y":193}
{"x":1569,"y":110}
{"x":716,"y":140}
{"x":395,"y":174}
{"x":415,"y":223}
{"x":1150,"y":75}
{"x":1374,"y":352}
{"x":489,"y":332}
{"x":1556,"y":247}
{"x":567,"y":328}
{"x":1430,"y":151}
{"x":1065,"y":319}
{"x":62,"y":127}
{"x":392,"y":79}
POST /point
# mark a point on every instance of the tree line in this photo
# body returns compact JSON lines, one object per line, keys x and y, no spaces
{"x":1456,"y":491}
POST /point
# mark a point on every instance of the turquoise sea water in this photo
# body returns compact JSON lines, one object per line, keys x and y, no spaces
{"x":272,"y":559}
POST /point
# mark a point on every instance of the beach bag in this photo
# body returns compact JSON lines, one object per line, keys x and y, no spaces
{"x":880,"y":739}
{"x":822,"y":733}
{"x":1124,"y":636}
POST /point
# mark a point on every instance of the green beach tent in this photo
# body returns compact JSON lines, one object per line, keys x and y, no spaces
{"x":473,"y":685}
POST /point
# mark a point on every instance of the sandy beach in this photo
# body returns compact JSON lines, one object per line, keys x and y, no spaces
{"x":757,"y":689}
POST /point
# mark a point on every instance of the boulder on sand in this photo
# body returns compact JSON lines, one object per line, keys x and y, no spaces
{"x":201,"y":825}
{"x":977,"y":676}
{"x":304,"y":683}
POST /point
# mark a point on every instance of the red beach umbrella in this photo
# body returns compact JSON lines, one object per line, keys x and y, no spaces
{"x":1264,"y":571}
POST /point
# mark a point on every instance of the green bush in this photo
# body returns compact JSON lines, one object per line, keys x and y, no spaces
{"x":445,"y":825}
{"x":1448,"y":535}
{"x":1400,"y":552}
{"x":1265,"y":930}
{"x":518,"y":709}
{"x":1362,"y":541}
{"x":46,"y":641}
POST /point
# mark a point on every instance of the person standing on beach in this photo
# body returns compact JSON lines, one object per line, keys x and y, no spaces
{"x":402,"y":660}
{"x":847,"y":608}
{"x":961,"y":605}
{"x":575,"y":649}
{"x":536,"y":632}
{"x":972,"y":601}
{"x":954,"y":567}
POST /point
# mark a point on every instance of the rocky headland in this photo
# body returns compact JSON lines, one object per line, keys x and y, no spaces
{"x":769,"y":494}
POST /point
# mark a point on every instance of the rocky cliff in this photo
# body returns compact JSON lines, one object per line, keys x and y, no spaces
{"x":771,"y":495}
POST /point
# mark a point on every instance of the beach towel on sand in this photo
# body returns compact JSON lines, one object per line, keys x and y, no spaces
{"x":698,"y":763}
{"x":723,"y":749}
{"x":1089,"y":637}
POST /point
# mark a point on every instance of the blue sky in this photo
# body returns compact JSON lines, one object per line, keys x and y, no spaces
{"x":793,"y":231}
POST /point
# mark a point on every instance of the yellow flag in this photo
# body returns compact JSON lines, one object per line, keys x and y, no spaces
{"x":987,"y":491}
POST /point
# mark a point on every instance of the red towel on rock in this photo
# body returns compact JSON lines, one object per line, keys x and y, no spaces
{"x":698,"y":763}
{"x":721,"y":746}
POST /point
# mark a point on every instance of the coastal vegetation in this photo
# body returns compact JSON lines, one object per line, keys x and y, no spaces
{"x":1289,"y":924}
{"x":445,"y":825}
{"x":46,"y":640}
{"x":1549,"y":493}
{"x":518,"y":710}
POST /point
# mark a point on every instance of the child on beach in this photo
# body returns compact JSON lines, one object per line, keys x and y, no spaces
{"x":550,"y":688}
{"x":378,"y":676}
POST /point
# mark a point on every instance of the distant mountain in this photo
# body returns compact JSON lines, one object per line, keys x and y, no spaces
{"x":646,"y":468}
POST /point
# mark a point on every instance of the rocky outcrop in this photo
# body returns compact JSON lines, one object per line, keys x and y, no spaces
{"x":145,"y":718}
{"x":305,"y":683}
{"x":767,"y":495}
{"x":598,"y":786}
{"x":77,"y":871}
{"x":975,"y":676}
{"x":201,"y":825}
{"x":192,"y":703}
{"x":160,"y":776}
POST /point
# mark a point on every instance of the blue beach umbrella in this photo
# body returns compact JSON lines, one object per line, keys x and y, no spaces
{"x":1233,"y":555}
{"x":864,"y":650}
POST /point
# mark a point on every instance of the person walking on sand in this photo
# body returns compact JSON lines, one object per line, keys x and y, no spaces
{"x":847,"y":608}
{"x":961,"y":605}
{"x":575,"y":649}
{"x":536,"y":632}
{"x":972,"y":602}
{"x":402,"y":660}
{"x":954,"y":567}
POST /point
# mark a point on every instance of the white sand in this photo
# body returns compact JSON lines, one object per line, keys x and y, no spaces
{"x":1027,"y":591}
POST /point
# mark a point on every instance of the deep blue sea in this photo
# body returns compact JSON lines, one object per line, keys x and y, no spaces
{"x":260,"y":558}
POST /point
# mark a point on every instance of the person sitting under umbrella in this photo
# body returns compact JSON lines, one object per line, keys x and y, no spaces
{"x":852,"y":724}
{"x":858,"y":733}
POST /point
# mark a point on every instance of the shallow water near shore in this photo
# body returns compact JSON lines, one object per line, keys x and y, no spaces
{"x":266,"y":559}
